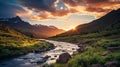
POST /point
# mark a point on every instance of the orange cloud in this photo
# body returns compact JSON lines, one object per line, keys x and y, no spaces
{"x":95,"y":7}
{"x":49,"y":10}
{"x":63,"y":12}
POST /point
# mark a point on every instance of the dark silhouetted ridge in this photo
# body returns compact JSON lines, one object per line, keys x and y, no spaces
{"x":108,"y":22}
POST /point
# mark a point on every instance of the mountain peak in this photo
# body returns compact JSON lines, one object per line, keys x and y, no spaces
{"x":16,"y":19}
{"x":53,"y":27}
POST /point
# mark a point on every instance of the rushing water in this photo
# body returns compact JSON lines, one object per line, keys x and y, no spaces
{"x":38,"y":59}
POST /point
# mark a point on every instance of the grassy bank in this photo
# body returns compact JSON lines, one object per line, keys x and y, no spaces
{"x":97,"y":48}
{"x":13,"y":43}
{"x":11,"y":47}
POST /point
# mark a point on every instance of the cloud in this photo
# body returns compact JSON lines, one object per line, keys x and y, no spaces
{"x":45,"y":9}
{"x":43,"y":15}
{"x":44,"y":5}
{"x":66,"y":7}
{"x":95,"y":7}
{"x":73,"y":2}
{"x":9,"y":8}
{"x":63,"y":12}
{"x":103,"y":5}
{"x":51,"y":9}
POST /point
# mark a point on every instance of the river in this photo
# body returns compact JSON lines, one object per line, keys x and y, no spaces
{"x":38,"y":59}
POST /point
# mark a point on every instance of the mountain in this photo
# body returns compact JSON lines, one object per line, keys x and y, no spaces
{"x":17,"y":24}
{"x":108,"y":22}
{"x":38,"y":31}
{"x":46,"y":31}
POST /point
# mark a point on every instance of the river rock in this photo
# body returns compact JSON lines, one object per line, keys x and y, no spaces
{"x":41,"y":61}
{"x":81,"y":48}
{"x":80,"y":45}
{"x":52,"y":59}
{"x":63,"y":58}
{"x":73,"y":48}
{"x":112,"y":64}
{"x":44,"y":59}
{"x":55,"y":56}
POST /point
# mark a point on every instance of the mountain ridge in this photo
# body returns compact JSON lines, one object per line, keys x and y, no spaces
{"x":107,"y":22}
{"x":37,"y":31}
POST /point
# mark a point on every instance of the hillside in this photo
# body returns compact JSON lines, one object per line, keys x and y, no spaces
{"x":7,"y":31}
{"x":108,"y":22}
{"x":13,"y":43}
{"x":37,"y":31}
{"x":99,"y":42}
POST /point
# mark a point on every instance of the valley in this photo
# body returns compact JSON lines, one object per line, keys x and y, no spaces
{"x":60,"y":33}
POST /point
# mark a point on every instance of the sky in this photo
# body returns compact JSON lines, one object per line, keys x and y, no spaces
{"x":64,"y":14}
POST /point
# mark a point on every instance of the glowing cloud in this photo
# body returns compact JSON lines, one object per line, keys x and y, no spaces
{"x":51,"y":9}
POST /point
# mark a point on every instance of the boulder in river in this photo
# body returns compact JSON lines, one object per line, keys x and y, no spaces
{"x":44,"y":59}
{"x":55,"y":56}
{"x":73,"y":48}
{"x":63,"y":58}
{"x":52,"y":59}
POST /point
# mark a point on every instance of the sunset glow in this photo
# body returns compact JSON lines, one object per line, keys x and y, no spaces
{"x":74,"y":28}
{"x":71,"y":28}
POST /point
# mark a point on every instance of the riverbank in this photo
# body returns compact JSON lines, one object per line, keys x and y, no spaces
{"x":12,"y":51}
{"x":36,"y":59}
{"x":102,"y":49}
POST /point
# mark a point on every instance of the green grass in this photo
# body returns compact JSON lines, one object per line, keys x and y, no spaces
{"x":108,"y":43}
{"x":10,"y":48}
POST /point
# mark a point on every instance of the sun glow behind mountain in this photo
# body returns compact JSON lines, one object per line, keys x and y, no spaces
{"x":71,"y":28}
{"x":74,"y":28}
